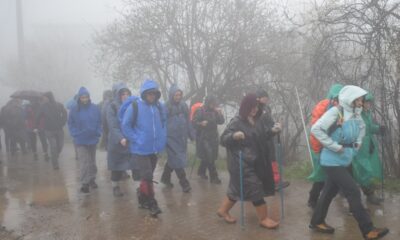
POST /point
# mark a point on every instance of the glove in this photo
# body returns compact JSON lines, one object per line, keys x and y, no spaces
{"x":382,"y":130}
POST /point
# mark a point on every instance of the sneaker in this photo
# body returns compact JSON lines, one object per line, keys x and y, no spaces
{"x":285,"y":184}
{"x":85,"y":188}
{"x":376,"y":233}
{"x":215,"y":181}
{"x":322,"y":228}
{"x":93,"y":184}
{"x":154,"y":209}
{"x":117,"y":192}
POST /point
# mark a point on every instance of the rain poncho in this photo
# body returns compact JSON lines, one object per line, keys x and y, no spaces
{"x":367,"y":165}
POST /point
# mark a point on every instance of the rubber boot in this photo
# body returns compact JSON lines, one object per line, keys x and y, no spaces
{"x":223,"y":211}
{"x":264,"y":221}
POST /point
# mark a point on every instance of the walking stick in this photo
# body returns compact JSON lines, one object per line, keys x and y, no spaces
{"x":241,"y":190}
{"x":304,"y":126}
{"x":279,"y":159}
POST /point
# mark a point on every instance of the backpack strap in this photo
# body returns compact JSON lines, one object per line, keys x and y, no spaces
{"x":134,"y":113}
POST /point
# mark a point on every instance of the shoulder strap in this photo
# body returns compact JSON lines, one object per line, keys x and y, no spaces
{"x":335,"y":126}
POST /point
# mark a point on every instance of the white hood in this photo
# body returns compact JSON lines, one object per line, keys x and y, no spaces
{"x":347,"y":96}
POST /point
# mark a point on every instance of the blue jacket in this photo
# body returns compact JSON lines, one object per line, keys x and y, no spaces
{"x":84,"y":122}
{"x":149,"y":133}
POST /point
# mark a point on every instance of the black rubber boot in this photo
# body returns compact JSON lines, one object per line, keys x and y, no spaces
{"x":142,"y":200}
{"x":153,"y":207}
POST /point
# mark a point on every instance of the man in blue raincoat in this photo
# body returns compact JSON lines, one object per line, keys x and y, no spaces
{"x":144,"y":125}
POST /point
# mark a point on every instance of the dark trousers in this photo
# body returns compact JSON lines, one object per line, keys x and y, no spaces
{"x":315,"y":192}
{"x":33,"y":141}
{"x":17,"y":137}
{"x":210,"y":165}
{"x":340,"y":178}
{"x":56,"y":142}
{"x":180,"y":173}
{"x":146,"y":164}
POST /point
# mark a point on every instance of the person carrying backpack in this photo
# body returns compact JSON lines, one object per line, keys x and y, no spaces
{"x":119,"y":158}
{"x":206,"y":120}
{"x":178,"y":132}
{"x":84,"y":124}
{"x":341,"y":130}
{"x":318,"y":176}
{"x":144,"y":125}
{"x":53,"y":116}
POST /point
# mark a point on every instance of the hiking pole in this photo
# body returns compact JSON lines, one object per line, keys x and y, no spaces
{"x":279,"y":159}
{"x":241,"y":190}
{"x":304,"y":126}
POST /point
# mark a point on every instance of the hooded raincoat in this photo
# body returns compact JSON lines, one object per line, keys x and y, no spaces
{"x":118,"y":156}
{"x":84,"y":122}
{"x":367,"y":165}
{"x":145,"y":127}
{"x":178,"y":130}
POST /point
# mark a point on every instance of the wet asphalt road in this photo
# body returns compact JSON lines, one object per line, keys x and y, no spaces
{"x":37,"y":202}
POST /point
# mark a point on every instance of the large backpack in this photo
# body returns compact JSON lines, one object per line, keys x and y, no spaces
{"x":193,"y":110}
{"x":316,"y":114}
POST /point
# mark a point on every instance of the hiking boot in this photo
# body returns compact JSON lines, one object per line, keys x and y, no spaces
{"x":85,"y":188}
{"x":376,"y":233}
{"x":186,"y":188}
{"x":322,"y":228}
{"x":153,"y":207}
{"x":215,"y":180}
{"x":117,"y":192}
{"x":285,"y":184}
{"x":142,"y":200}
{"x":374,"y":200}
{"x":93,"y":184}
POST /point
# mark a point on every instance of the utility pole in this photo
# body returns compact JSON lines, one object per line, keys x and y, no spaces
{"x":20,"y":37}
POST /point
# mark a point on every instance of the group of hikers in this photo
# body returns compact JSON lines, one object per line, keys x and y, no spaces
{"x":25,"y":121}
{"x":136,"y":129}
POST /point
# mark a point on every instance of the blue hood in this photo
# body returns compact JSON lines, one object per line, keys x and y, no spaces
{"x":83,"y":91}
{"x":172,"y":90}
{"x":147,"y":85}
